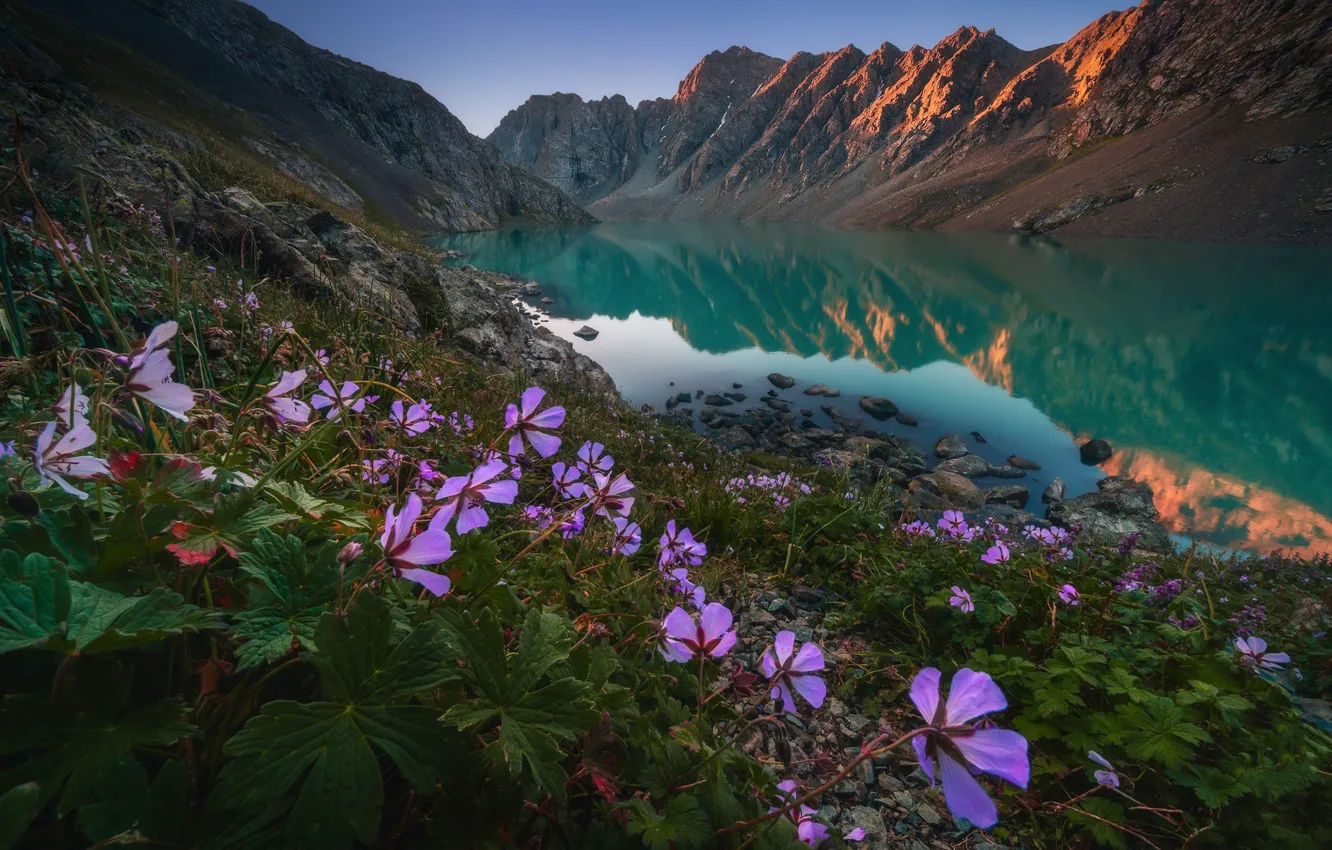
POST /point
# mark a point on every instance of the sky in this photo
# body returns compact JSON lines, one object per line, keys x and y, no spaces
{"x":482,"y":58}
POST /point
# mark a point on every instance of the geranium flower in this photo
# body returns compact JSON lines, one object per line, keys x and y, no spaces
{"x":288,"y":409}
{"x":466,"y":495}
{"x":157,"y":337}
{"x":695,"y":593}
{"x":996,"y":554}
{"x":628,"y":537}
{"x":963,"y":748}
{"x":415,"y":420}
{"x":526,"y":421}
{"x":337,"y":400}
{"x":680,"y":547}
{"x":573,"y":526}
{"x":607,"y":495}
{"x":56,"y":459}
{"x":1253,"y":651}
{"x":953,"y":523}
{"x":1068,"y":594}
{"x":708,"y":634}
{"x":1107,"y":776}
{"x":373,"y":472}
{"x":591,"y":458}
{"x":72,"y":407}
{"x":808,"y":830}
{"x":150,"y":379}
{"x":789,"y":671}
{"x":406,"y":554}
{"x":961,"y":600}
{"x":566,"y":478}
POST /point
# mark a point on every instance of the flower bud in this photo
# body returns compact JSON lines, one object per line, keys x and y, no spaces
{"x":349,"y":553}
{"x":126,"y":420}
{"x":24,"y":503}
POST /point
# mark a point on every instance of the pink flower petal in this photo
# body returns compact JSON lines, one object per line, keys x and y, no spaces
{"x":472,"y":517}
{"x":545,"y":444}
{"x":784,"y":644}
{"x":680,"y":625}
{"x":170,"y":398}
{"x":808,"y":659}
{"x":551,"y":417}
{"x":501,"y":492}
{"x":812,"y":688}
{"x":510,"y":417}
{"x":434,"y":582}
{"x":767,"y":664}
{"x":1257,"y":645}
{"x":964,"y":795}
{"x":1001,"y":752}
{"x":427,"y":549}
{"x":782,"y":692}
{"x":972,"y":694}
{"x":716,"y":619}
{"x":724,"y":645}
{"x":402,"y":527}
{"x":925,"y":693}
{"x":532,"y":397}
{"x":921,"y":746}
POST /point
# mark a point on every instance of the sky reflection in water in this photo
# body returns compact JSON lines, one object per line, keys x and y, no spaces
{"x":1208,"y":367}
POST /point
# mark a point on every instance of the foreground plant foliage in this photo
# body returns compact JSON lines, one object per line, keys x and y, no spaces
{"x":274,"y":575}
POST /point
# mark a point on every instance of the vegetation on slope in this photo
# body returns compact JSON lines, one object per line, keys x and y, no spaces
{"x":219,"y":631}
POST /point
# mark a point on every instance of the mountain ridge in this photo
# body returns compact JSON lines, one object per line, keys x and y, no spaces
{"x":968,"y":122}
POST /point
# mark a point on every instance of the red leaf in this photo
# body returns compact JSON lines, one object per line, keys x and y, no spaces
{"x":125,"y":465}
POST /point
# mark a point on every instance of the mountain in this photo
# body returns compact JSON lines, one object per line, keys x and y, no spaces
{"x":1193,"y":118}
{"x":366,"y":140}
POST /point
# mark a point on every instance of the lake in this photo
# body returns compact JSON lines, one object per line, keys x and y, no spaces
{"x":1208,"y":367}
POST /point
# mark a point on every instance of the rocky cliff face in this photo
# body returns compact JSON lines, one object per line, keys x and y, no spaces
{"x":931,"y":135}
{"x":384,"y":138}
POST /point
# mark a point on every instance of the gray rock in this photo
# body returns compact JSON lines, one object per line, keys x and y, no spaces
{"x":805,"y":411}
{"x":1006,"y":471}
{"x":831,"y":392}
{"x":586,"y":332}
{"x":876,"y":831}
{"x":1022,"y":463}
{"x":1278,"y":155}
{"x":950,"y":446}
{"x":1054,"y":492}
{"x":776,"y":404}
{"x":1007,"y":494}
{"x":976,"y":435}
{"x":683,"y":398}
{"x":717,"y":400}
{"x":841,"y":420}
{"x":816,"y":389}
{"x":531,"y":288}
{"x":1095,"y":452}
{"x":971,"y":466}
{"x":736,"y":386}
{"x":878,"y":408}
{"x":928,"y":814}
{"x":546,"y":300}
{"x":736,"y":397}
{"x":952,"y":489}
{"x":780,"y":381}
{"x":734,"y":438}
{"x":907,"y":419}
{"x":1119,"y":507}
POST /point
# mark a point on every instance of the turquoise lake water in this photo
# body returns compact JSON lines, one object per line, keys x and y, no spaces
{"x":1208,"y":367}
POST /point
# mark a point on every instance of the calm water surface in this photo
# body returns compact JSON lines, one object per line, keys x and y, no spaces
{"x":1207,"y":367}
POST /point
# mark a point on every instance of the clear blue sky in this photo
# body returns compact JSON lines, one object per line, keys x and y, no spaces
{"x":482,"y":58}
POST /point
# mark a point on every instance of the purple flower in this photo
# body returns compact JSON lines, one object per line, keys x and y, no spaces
{"x":689,"y":637}
{"x":808,"y":830}
{"x":539,"y":515}
{"x":72,"y":407}
{"x":54,"y":460}
{"x":414,"y":420}
{"x":466,"y":495}
{"x":288,"y":409}
{"x":405,"y":554}
{"x":322,"y":356}
{"x":1253,"y":651}
{"x":694,"y":592}
{"x":337,"y":400}
{"x":607,"y":495}
{"x":628,"y":537}
{"x":680,"y":547}
{"x":961,"y":600}
{"x":566,"y":478}
{"x":591,"y":458}
{"x":573,"y":526}
{"x":526,"y":422}
{"x":996,"y":554}
{"x":150,"y":374}
{"x":953,"y":523}
{"x":1068,"y":594}
{"x":789,"y":671}
{"x":962,"y":748}
{"x":919,"y":528}
{"x":373,"y":472}
{"x":1107,"y":776}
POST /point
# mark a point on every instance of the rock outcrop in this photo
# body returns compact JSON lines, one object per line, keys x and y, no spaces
{"x":931,"y":134}
{"x":1118,"y":508}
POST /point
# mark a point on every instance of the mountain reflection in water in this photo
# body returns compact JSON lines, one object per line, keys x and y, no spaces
{"x":1207,"y":366}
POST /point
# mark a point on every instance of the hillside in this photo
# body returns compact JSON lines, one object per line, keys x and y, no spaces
{"x":365,"y":140}
{"x":1210,"y":117}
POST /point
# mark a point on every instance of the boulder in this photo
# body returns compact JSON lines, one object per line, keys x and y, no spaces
{"x":1006,"y":471}
{"x":776,"y":403}
{"x":780,"y":381}
{"x":1118,"y":508}
{"x":878,"y":408}
{"x":736,"y":386}
{"x":968,"y":466}
{"x":737,"y":397}
{"x":841,"y":420}
{"x":1054,"y":492}
{"x":531,"y":288}
{"x":1022,"y":463}
{"x":831,"y":392}
{"x":907,"y":419}
{"x":957,"y":491}
{"x":707,"y":415}
{"x":949,"y":447}
{"x":586,"y":332}
{"x":1095,"y":452}
{"x":805,"y":411}
{"x":976,"y":435}
{"x":816,"y":389}
{"x":683,"y":398}
{"x":717,"y":400}
{"x":1012,"y":495}
{"x":546,"y":300}
{"x":734,"y":438}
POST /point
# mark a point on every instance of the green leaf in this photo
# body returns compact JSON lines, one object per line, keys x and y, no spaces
{"x":294,"y":498}
{"x":1101,"y":832}
{"x":683,"y":826}
{"x":104,"y":621}
{"x":18,"y":806}
{"x":288,"y":597}
{"x":1156,"y":730}
{"x":34,"y":601}
{"x":74,"y":747}
{"x":235,"y":519}
{"x":329,"y":748}
{"x":530,"y":718}
{"x":127,"y":801}
{"x":71,"y":533}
